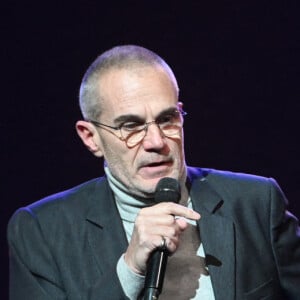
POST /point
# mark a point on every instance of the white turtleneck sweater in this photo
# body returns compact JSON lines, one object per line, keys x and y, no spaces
{"x":132,"y":283}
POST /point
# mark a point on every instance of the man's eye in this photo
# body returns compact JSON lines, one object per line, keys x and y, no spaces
{"x":132,"y":126}
{"x":167,"y":119}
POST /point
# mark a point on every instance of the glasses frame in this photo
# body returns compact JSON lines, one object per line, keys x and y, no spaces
{"x":145,"y":127}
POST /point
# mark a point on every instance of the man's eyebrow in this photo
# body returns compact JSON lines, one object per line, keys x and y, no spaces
{"x":135,"y":118}
{"x":170,"y":110}
{"x":128,"y":118}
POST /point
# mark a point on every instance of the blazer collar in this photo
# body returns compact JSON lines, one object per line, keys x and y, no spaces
{"x":216,"y":233}
{"x":105,"y":231}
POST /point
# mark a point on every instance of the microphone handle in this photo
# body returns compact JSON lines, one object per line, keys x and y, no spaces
{"x":155,"y":274}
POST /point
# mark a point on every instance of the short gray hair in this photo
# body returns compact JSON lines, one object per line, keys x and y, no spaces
{"x":120,"y":57}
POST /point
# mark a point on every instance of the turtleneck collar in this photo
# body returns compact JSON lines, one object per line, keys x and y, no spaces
{"x":128,"y":205}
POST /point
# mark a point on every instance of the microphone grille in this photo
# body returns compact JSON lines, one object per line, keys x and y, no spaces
{"x":167,"y":190}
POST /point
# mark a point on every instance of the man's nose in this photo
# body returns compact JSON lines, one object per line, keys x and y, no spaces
{"x":154,"y":137}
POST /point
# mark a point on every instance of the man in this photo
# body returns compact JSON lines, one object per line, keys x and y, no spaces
{"x":229,"y":237}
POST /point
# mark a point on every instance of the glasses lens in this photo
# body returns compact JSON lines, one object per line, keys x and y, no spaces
{"x":171,"y":129}
{"x":133,"y":138}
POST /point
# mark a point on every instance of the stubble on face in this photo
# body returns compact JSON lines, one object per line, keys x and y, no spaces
{"x":145,"y":93}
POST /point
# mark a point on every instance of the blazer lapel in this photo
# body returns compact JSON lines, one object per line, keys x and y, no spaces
{"x":105,"y":230}
{"x":217,"y":236}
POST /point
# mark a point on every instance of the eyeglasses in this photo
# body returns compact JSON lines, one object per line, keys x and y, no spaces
{"x":133,"y":132}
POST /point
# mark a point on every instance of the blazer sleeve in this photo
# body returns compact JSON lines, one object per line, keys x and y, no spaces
{"x":285,"y":233}
{"x":34,"y":273}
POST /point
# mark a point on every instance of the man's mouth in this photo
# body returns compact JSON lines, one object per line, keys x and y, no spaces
{"x":155,"y":164}
{"x":155,"y":169}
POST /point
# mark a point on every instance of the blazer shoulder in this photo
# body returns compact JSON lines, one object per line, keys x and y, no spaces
{"x":228,"y":182}
{"x":221,"y":175}
{"x":70,"y":201}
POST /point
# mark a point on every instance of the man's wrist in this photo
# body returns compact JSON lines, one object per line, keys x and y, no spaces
{"x":131,"y":282}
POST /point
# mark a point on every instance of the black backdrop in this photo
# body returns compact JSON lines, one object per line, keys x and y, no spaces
{"x":237,"y":63}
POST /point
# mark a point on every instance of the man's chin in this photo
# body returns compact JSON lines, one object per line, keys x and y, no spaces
{"x":147,"y":187}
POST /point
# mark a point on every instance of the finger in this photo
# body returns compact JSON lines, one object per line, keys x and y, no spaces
{"x":175,"y":209}
{"x":149,"y":222}
{"x":167,"y":243}
{"x":182,"y":223}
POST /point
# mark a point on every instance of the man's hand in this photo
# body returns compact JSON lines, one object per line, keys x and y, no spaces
{"x":151,"y":226}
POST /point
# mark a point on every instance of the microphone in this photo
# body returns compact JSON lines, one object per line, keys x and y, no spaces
{"x":167,"y":190}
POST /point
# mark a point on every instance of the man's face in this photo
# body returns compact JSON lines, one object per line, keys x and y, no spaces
{"x":143,"y":93}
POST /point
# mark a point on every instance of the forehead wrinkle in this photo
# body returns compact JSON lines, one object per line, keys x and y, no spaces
{"x":129,"y":92}
{"x":121,"y":96}
{"x":123,"y":78}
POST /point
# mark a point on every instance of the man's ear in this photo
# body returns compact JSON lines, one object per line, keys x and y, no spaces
{"x":180,"y":105}
{"x":90,"y":137}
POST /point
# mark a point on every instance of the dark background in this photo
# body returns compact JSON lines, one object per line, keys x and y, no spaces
{"x":237,"y":64}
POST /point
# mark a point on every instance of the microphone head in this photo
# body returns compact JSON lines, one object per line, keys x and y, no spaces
{"x":167,"y":190}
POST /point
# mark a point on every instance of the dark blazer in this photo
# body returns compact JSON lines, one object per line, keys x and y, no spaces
{"x":67,"y":246}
